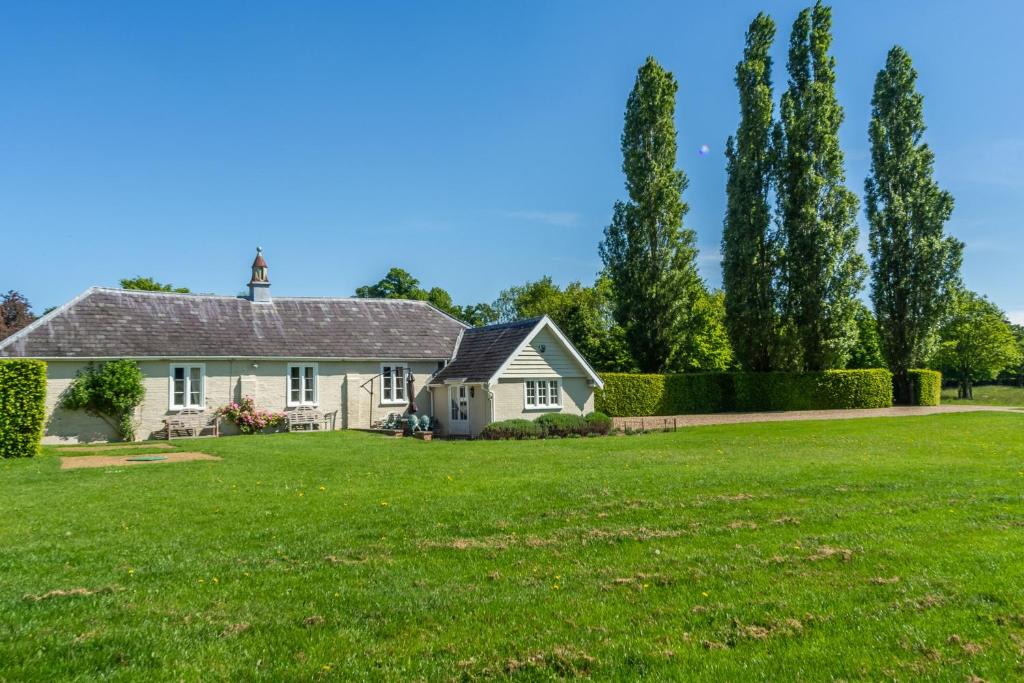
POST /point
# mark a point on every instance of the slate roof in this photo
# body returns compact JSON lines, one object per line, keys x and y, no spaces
{"x":484,"y":349}
{"x":116,"y":323}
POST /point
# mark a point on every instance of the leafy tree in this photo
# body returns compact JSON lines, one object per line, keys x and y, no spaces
{"x":148,"y":284}
{"x":822,"y":271}
{"x":914,"y":265}
{"x":867,"y":352}
{"x":111,"y":391}
{"x":750,"y":247}
{"x":1018,"y":370}
{"x":477,"y":315}
{"x":977,"y":342}
{"x":649,"y":257}
{"x":400,"y":284}
{"x":397,"y":284}
{"x":15,"y":313}
{"x":583,"y":313}
{"x":708,"y":347}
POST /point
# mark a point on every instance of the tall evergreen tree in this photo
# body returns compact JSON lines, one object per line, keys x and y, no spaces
{"x":750,"y":253}
{"x":915,"y":267}
{"x":649,"y":257}
{"x":822,"y":271}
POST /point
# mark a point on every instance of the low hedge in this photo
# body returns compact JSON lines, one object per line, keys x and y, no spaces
{"x":713,"y":392}
{"x":925,"y":387}
{"x":598,"y":423}
{"x":512,"y":429}
{"x":22,"y":407}
{"x":549,"y":425}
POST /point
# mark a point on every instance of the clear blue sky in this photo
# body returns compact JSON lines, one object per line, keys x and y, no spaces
{"x":475,"y":144}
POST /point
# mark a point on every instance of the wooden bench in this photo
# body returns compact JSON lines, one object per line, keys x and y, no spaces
{"x":191,"y":423}
{"x":305,"y":418}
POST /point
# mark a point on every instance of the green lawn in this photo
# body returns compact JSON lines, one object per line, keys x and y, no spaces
{"x":988,"y":395}
{"x":859,"y":550}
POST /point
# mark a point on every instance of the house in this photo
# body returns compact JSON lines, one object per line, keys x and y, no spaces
{"x":354,"y":360}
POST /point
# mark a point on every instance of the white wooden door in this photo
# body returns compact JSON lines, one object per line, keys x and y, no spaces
{"x":458,"y":410}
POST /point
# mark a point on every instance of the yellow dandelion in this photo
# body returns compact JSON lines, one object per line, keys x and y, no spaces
{"x":384,"y":503}
{"x":705,"y":594}
{"x":323,"y":488}
{"x":131,"y":571}
{"x":216,"y":580}
{"x":202,"y":580}
{"x":301,"y":494}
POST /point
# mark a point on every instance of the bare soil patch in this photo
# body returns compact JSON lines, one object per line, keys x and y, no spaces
{"x":87,"y":461}
{"x":113,"y":447}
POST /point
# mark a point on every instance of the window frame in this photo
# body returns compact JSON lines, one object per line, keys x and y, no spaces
{"x":302,"y":384}
{"x":188,"y":368}
{"x":552,"y":393}
{"x":395,"y":388}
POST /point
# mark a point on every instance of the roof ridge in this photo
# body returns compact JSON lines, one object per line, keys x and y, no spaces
{"x":524,"y":322}
{"x":208,"y":295}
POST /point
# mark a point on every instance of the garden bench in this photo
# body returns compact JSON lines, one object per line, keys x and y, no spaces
{"x":192,"y":422}
{"x":305,"y":418}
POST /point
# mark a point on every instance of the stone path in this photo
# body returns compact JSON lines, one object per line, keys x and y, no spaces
{"x":661,"y":422}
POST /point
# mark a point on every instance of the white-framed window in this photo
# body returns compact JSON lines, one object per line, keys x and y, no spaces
{"x":392,"y":384}
{"x":542,"y":393}
{"x":187,"y":386}
{"x":302,"y":384}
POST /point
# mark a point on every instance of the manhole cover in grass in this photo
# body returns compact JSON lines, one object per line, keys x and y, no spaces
{"x":146,"y":458}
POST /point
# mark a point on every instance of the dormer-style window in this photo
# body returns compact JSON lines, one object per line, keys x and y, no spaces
{"x":392,"y":384}
{"x":302,"y":390}
{"x":187,"y":386}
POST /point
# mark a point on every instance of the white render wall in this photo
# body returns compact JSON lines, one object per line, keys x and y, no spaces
{"x":510,"y":401}
{"x":350,"y":390}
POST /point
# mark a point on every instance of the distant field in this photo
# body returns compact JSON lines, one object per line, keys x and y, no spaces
{"x":874,"y":549}
{"x":989,"y":395}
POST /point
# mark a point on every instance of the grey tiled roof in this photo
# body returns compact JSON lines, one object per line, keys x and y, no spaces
{"x":484,"y":349}
{"x":115,"y":323}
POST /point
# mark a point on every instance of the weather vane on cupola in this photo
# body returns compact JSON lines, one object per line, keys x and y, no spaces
{"x":259,"y":285}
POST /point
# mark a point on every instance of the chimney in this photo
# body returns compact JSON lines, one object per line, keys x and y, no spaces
{"x":259,"y":285}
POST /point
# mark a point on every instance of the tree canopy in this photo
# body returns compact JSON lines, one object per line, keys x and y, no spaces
{"x":649,"y":257}
{"x":148,"y":284}
{"x":915,"y":266}
{"x":750,"y":245}
{"x":822,"y":272}
{"x":977,"y":341}
{"x":400,"y":284}
{"x":15,"y":313}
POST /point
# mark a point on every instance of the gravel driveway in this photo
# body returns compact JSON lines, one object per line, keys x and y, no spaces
{"x":661,"y":422}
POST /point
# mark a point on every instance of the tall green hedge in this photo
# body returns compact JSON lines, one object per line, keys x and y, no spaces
{"x":22,"y":407}
{"x":925,"y":387}
{"x":627,"y":395}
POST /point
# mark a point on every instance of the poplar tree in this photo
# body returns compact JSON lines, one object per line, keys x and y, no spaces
{"x":750,"y":249}
{"x":649,"y":257}
{"x":822,"y":271}
{"x":915,"y":267}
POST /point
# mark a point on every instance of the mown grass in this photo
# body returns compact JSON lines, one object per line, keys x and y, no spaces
{"x":859,"y":550}
{"x":993,"y":395}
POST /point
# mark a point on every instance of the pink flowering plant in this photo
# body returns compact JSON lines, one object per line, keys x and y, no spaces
{"x":248,"y":418}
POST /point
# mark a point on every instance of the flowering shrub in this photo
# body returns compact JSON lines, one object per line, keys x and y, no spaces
{"x":248,"y":418}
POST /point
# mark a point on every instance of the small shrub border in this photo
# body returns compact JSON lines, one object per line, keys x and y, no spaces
{"x":550,"y":425}
{"x":248,"y":418}
{"x":22,"y":407}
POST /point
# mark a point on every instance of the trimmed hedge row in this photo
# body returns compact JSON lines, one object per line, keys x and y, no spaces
{"x":22,"y":407}
{"x":925,"y":387}
{"x":631,"y":395}
{"x":548,"y":425}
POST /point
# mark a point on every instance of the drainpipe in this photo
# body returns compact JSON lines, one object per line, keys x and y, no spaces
{"x":490,"y":399}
